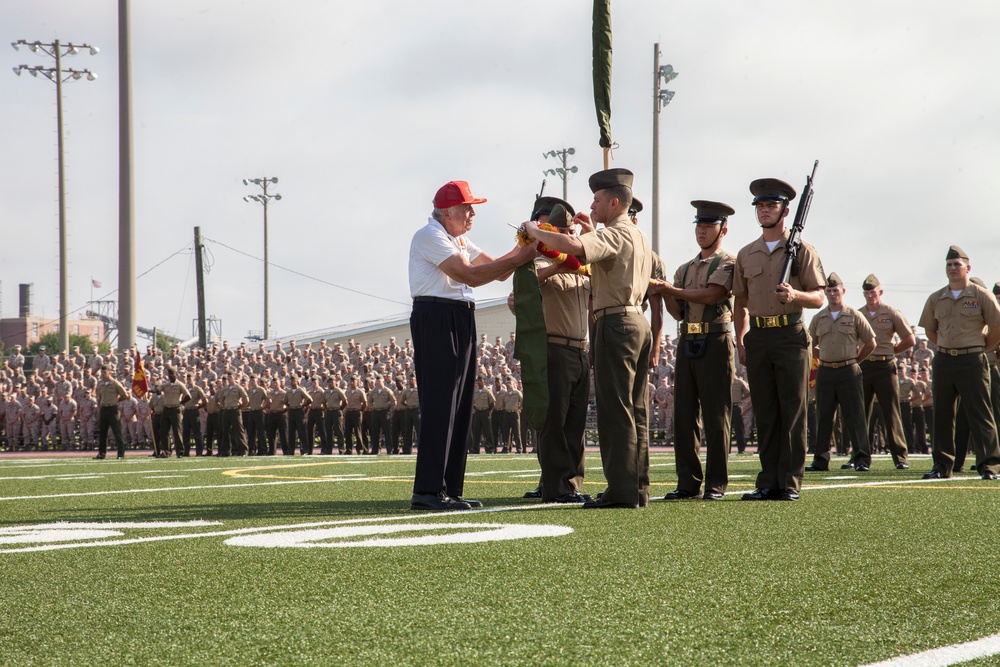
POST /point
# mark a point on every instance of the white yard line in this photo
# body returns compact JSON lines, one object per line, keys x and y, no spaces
{"x":946,"y":655}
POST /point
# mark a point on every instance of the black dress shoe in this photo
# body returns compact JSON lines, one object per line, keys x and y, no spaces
{"x":535,"y":493}
{"x":758,"y":494}
{"x":902,"y":466}
{"x":788,"y":494}
{"x":816,"y":468}
{"x":934,"y":474}
{"x":602,"y":505}
{"x":437,"y":502}
{"x":99,"y":457}
{"x":574,"y":497}
{"x":471,"y":503}
{"x":861,"y":467}
{"x":847,"y":466}
{"x":712,"y":495}
{"x":681,"y":494}
{"x":988,"y":475}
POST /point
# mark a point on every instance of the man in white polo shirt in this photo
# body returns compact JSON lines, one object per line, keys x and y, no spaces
{"x":444,"y":267}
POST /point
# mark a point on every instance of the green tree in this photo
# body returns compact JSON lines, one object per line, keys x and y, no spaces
{"x":51,"y":343}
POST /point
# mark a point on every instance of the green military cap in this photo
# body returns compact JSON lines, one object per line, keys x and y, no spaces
{"x":635,"y":207}
{"x":954,"y":252}
{"x":771,"y":189}
{"x":544,"y":206}
{"x":833,"y":280}
{"x":712,"y":212}
{"x":610,"y":178}
{"x":978,"y":281}
{"x":560,"y":217}
{"x":870,"y":283}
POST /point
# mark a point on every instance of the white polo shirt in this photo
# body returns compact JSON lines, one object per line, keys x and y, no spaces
{"x":432,"y":245}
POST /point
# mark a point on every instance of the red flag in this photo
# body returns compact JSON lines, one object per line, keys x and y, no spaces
{"x":140,"y":382}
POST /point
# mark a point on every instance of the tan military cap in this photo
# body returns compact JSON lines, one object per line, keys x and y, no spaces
{"x":833,"y":280}
{"x":712,"y":212}
{"x":544,"y":206}
{"x":954,"y":252}
{"x":610,"y":178}
{"x":870,"y":283}
{"x":560,"y":217}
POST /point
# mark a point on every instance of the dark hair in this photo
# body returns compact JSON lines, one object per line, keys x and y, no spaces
{"x":622,"y":193}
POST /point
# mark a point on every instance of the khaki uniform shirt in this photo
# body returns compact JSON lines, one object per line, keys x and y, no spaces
{"x":757,"y":272}
{"x":887,"y":322}
{"x":565,"y":297}
{"x":356,"y":399}
{"x":905,"y":389}
{"x":173,"y":392}
{"x":232,"y":397}
{"x":697,"y":277}
{"x":334,"y":399}
{"x":840,"y":339}
{"x":620,"y":263}
{"x":109,"y":392}
{"x":298,"y":398}
{"x":512,"y":400}
{"x":482,"y":399}
{"x":67,"y":410}
{"x":156,"y":404}
{"x":277,"y":400}
{"x":960,"y":322}
{"x":381,"y":399}
{"x":740,"y":390}
{"x":256,"y":396}
{"x":411,"y":398}
{"x":198,"y":398}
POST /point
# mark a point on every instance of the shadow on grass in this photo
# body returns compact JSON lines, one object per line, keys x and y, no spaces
{"x":302,"y":511}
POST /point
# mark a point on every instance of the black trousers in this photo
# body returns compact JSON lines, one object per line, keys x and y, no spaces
{"x":482,"y":429}
{"x":880,"y":381}
{"x":314,"y":424}
{"x":253,"y":421}
{"x":276,"y":428}
{"x":380,"y":428}
{"x":841,"y":386}
{"x":561,"y":445}
{"x":444,"y":341}
{"x":170,"y":423}
{"x":108,"y":418}
{"x":333,"y":420}
{"x":297,"y":431}
{"x":352,"y":432}
{"x":965,"y":377}
{"x":191,"y":427}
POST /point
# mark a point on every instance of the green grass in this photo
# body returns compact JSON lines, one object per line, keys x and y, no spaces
{"x":846,"y":576}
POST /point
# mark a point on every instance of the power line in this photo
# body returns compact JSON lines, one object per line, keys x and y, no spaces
{"x":303,"y":275}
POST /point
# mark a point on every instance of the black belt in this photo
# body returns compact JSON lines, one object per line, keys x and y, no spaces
{"x":461,"y":303}
{"x":956,"y":351}
{"x":838,"y":364}
{"x":773,"y":321}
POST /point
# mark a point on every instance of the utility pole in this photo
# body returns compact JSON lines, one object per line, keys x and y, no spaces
{"x":57,"y":50}
{"x":661,"y":98}
{"x":199,"y":270}
{"x":126,"y":206}
{"x":563,"y":171}
{"x":263,"y":198}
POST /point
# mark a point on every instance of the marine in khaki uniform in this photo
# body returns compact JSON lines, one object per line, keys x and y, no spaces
{"x":334,"y":402}
{"x":772,"y":342}
{"x":410,"y":400}
{"x":510,"y":428}
{"x":298,"y":401}
{"x":893,"y":335}
{"x":842,"y":338}
{"x":109,"y":393}
{"x":254,"y":418}
{"x":174,"y":394}
{"x":232,"y":435}
{"x":700,"y":298}
{"x":381,"y":400}
{"x":357,"y":401}
{"x":906,"y":412}
{"x":955,"y":318}
{"x":483,"y":403}
{"x":276,"y":426}
{"x":190,"y":420}
{"x":314,"y":417}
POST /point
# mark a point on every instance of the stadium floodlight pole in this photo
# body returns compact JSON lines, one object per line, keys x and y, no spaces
{"x":563,"y":171}
{"x":57,"y":75}
{"x":263,"y":198}
{"x":661,"y":98}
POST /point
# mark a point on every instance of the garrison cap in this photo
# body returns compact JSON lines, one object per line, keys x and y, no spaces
{"x":954,"y":252}
{"x":833,"y":280}
{"x":870,"y":283}
{"x":636,"y":207}
{"x":712,"y":212}
{"x":977,"y":280}
{"x":771,"y":189}
{"x":996,"y":289}
{"x":560,"y":217}
{"x":105,"y":367}
{"x":544,"y":206}
{"x":610,"y":178}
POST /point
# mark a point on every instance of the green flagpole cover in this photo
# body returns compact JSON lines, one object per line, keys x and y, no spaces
{"x":531,"y":344}
{"x":602,"y":68}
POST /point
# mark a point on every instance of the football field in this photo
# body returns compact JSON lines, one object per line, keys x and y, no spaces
{"x":319,"y":561}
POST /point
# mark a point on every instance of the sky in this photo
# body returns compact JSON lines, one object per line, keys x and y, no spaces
{"x":363,"y":110}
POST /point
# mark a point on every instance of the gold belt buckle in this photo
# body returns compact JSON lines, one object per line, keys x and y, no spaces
{"x":772,"y":321}
{"x":695,"y":328}
{"x":953,"y":352}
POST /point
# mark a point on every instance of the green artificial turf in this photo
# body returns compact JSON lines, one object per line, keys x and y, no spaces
{"x":846,"y":576}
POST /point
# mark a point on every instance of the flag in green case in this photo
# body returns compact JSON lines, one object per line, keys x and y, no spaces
{"x":602,"y":68}
{"x":531,"y":344}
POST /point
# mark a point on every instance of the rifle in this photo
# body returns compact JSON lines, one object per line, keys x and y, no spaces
{"x":790,"y":267}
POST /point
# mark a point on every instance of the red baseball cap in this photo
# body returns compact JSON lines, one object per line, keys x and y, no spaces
{"x":455,"y":193}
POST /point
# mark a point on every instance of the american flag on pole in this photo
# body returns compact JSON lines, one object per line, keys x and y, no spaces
{"x":96,"y":284}
{"x":140,"y":381}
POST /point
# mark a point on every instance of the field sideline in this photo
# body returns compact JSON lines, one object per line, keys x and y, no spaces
{"x":318,"y":561}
